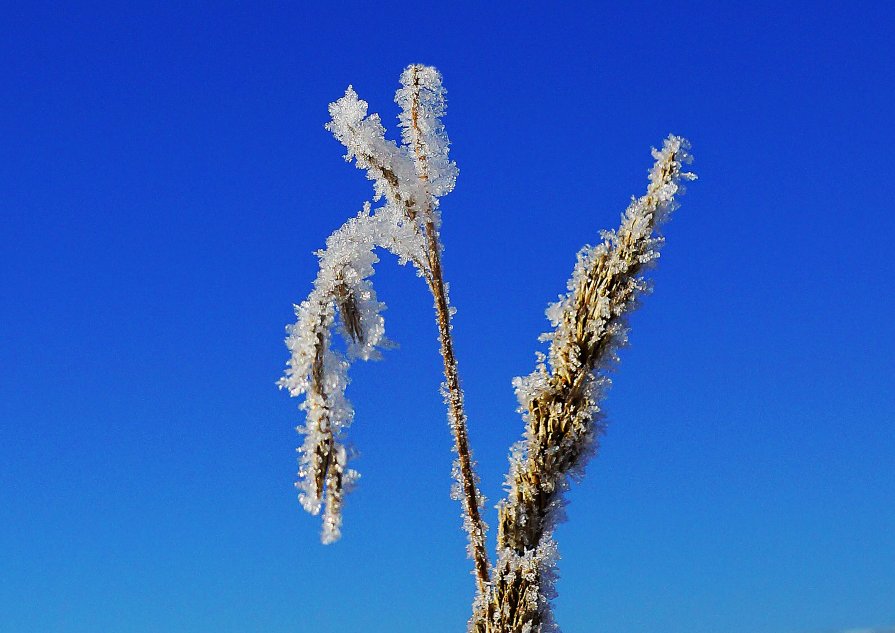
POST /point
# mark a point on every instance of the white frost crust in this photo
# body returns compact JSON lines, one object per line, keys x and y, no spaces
{"x":390,"y":167}
{"x":422,"y":102}
{"x":320,"y":373}
{"x":315,"y":371}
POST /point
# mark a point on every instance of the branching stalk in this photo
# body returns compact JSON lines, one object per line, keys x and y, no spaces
{"x":560,"y":400}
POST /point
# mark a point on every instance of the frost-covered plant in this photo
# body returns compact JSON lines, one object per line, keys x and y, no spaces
{"x":559,"y":401}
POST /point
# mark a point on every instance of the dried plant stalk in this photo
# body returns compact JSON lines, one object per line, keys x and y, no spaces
{"x":561,"y":403}
{"x":417,"y":79}
{"x":412,"y":178}
{"x":559,"y":400}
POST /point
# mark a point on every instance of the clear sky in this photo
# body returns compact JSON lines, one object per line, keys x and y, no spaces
{"x":165,"y":177}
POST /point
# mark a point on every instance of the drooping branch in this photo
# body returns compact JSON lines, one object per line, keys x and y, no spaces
{"x":319,"y":373}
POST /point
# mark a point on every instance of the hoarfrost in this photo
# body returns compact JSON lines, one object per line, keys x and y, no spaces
{"x":408,"y":179}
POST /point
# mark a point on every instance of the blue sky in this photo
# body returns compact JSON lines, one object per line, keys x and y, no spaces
{"x":165,"y":177}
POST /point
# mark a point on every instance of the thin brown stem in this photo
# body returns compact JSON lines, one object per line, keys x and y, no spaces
{"x":458,"y":416}
{"x":435,"y":279}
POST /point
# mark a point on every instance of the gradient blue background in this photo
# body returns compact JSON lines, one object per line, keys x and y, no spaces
{"x":164,"y":178}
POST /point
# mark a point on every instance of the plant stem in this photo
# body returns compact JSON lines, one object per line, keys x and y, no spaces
{"x":435,"y":280}
{"x":457,"y":414}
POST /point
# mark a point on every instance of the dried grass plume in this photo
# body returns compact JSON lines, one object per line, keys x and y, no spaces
{"x":559,"y":401}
